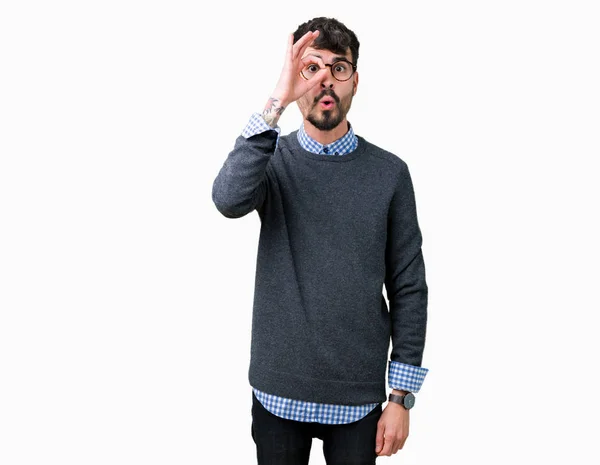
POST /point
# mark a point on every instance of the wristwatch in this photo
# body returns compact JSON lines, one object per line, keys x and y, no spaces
{"x":407,"y":401}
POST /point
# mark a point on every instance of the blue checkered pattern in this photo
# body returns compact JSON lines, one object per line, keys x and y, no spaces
{"x":330,"y":414}
{"x":406,"y":377}
{"x":256,"y":125}
{"x":345,"y":144}
{"x":400,"y":375}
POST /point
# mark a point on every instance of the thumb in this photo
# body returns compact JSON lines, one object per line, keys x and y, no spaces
{"x":379,"y":438}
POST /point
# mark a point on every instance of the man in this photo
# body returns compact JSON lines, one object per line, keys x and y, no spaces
{"x":338,"y":222}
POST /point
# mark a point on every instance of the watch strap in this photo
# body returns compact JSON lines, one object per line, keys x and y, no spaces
{"x":396,"y":399}
{"x":407,"y":401}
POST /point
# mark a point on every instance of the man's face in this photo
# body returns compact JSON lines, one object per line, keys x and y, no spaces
{"x":326,"y":119}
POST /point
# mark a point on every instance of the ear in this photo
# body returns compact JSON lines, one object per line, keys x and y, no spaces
{"x":355,"y":85}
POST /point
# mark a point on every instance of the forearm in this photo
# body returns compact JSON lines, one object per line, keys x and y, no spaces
{"x":242,"y":182}
{"x":408,"y":307}
{"x":273,"y":110}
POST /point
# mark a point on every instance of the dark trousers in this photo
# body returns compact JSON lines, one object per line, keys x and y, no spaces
{"x":280,"y":441}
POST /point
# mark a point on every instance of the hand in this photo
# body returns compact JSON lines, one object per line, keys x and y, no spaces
{"x":392,"y":429}
{"x":291,"y":86}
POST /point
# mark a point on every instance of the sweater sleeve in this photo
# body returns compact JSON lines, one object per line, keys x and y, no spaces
{"x":405,"y":282}
{"x":241,"y":184}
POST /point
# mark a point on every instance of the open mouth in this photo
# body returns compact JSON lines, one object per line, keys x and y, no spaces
{"x":327,"y":104}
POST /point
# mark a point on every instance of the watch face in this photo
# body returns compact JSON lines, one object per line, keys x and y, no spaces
{"x":409,"y":400}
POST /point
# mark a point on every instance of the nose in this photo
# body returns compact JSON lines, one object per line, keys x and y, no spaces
{"x":328,"y":80}
{"x":327,"y":83}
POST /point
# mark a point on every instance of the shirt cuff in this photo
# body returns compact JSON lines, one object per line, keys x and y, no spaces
{"x":257,"y":125}
{"x":406,"y":377}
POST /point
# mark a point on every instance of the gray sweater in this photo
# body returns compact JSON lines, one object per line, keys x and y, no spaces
{"x":334,"y":231}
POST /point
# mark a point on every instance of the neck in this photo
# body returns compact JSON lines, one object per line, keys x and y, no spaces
{"x":326,"y":137}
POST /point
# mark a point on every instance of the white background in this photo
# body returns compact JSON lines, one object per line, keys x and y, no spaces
{"x":126,"y":297}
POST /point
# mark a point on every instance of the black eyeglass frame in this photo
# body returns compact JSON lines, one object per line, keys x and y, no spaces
{"x":331,"y":69}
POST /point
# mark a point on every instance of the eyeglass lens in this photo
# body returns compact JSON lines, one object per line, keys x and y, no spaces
{"x":340,"y":70}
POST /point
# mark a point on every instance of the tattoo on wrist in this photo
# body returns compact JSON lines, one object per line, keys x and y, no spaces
{"x":273,"y":111}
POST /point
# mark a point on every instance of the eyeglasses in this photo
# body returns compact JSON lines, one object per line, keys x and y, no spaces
{"x":342,"y":70}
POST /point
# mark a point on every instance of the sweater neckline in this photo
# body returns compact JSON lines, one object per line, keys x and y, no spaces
{"x":297,"y":147}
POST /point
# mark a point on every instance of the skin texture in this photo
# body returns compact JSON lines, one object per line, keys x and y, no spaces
{"x":326,"y":126}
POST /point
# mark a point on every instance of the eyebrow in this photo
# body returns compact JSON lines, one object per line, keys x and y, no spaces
{"x":336,"y":58}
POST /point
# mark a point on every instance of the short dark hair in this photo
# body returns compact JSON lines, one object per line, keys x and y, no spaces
{"x":333,"y":36}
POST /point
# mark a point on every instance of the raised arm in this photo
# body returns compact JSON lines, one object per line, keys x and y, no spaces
{"x":242,"y":183}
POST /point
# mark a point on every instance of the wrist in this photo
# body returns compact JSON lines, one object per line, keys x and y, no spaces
{"x":407,"y":400}
{"x":399,"y":392}
{"x":273,"y":110}
{"x":281,"y":97}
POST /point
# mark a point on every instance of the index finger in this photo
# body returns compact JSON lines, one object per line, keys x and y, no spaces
{"x":304,"y":42}
{"x":313,"y":59}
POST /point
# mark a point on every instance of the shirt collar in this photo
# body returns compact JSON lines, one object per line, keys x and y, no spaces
{"x":345,"y":144}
